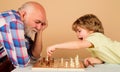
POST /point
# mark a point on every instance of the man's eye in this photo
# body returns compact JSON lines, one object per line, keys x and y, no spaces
{"x":38,"y":22}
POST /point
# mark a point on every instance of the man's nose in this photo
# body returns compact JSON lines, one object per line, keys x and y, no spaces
{"x":38,"y":26}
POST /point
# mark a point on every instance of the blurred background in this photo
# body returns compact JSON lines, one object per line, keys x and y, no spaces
{"x":62,"y":13}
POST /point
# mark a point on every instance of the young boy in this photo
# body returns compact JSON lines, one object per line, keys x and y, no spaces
{"x":90,"y":33}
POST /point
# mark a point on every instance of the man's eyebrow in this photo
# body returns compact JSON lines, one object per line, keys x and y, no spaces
{"x":39,"y":21}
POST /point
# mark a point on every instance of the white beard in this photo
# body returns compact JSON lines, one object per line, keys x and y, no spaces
{"x":30,"y":33}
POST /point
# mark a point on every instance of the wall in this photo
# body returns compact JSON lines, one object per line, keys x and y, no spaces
{"x":62,"y":13}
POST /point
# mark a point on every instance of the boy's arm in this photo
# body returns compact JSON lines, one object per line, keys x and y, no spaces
{"x":69,"y":45}
{"x":92,"y":60}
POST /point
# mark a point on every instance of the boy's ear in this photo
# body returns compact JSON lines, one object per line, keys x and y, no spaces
{"x":91,"y":32}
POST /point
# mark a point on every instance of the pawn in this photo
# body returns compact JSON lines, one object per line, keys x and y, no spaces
{"x":61,"y":62}
{"x":72,"y":63}
{"x":66,"y":64}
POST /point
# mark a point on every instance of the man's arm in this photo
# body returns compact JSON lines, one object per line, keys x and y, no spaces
{"x":37,"y":48}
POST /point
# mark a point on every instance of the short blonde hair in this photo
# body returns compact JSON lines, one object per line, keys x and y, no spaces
{"x":89,"y":22}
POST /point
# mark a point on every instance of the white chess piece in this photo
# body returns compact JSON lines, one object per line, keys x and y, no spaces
{"x":66,"y":64}
{"x":72,"y":63}
{"x":61,"y":62}
{"x":77,"y":64}
{"x":46,"y":58}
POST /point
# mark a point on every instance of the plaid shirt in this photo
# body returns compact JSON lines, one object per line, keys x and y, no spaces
{"x":12,"y":38}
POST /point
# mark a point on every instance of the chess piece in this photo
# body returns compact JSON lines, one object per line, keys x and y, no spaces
{"x":72,"y":63}
{"x":77,"y":64}
{"x":66,"y":64}
{"x":52,"y":60}
{"x":61,"y":62}
{"x":48,"y":61}
{"x":43,"y":59}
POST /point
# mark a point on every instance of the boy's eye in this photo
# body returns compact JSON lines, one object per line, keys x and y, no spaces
{"x":79,"y":31}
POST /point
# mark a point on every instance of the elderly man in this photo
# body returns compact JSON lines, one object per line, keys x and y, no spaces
{"x":21,"y":34}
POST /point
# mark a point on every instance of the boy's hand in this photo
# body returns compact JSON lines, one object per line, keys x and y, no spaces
{"x":91,"y":61}
{"x":50,"y":50}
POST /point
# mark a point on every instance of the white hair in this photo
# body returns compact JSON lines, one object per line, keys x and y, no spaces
{"x":28,"y":6}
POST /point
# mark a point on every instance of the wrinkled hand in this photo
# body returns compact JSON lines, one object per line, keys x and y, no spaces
{"x":91,"y":61}
{"x":50,"y":50}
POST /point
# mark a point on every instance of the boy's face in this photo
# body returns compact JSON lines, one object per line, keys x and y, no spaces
{"x":82,"y":33}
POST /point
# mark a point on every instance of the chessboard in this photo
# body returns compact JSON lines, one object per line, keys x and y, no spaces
{"x":51,"y":64}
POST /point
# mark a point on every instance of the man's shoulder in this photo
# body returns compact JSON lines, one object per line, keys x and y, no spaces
{"x":7,"y":11}
{"x":9,"y":16}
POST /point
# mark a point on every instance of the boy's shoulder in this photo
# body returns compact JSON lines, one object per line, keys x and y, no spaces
{"x":97,"y":34}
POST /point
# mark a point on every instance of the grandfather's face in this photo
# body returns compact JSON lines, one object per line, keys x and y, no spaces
{"x":33,"y":22}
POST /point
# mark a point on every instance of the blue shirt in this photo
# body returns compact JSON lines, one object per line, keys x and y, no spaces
{"x":12,"y":38}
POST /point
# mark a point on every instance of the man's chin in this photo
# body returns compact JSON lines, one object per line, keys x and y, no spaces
{"x":31,"y":35}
